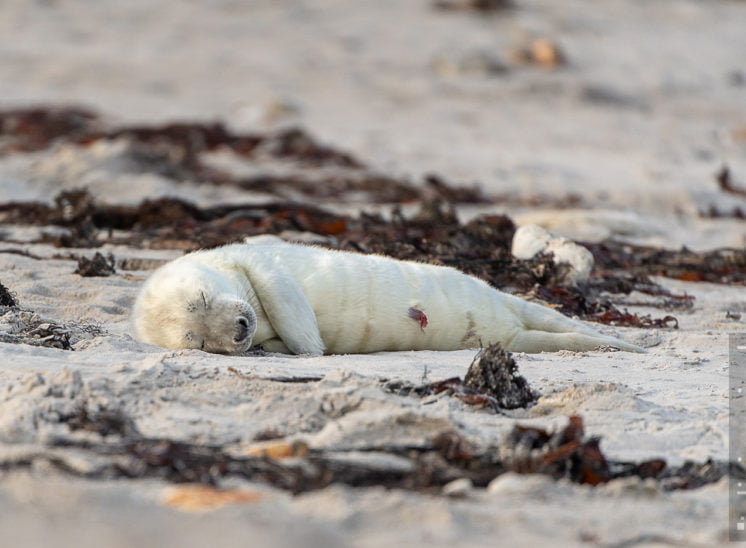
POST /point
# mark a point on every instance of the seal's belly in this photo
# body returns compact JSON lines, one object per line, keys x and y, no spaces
{"x":372,"y":304}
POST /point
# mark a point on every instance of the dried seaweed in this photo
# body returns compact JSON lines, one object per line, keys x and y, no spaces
{"x":725,"y":183}
{"x":373,"y":187}
{"x":493,"y":371}
{"x":534,"y":200}
{"x":32,"y":129}
{"x":574,"y":301}
{"x":97,"y":266}
{"x":693,"y":475}
{"x":40,"y":334}
{"x":713,"y":212}
{"x":565,"y":453}
{"x":283,"y":379}
{"x":7,"y":298}
{"x":456,"y":387}
{"x":104,"y":422}
{"x":27,"y":327}
{"x":722,"y":266}
{"x":480,"y":6}
{"x":166,"y":222}
{"x":561,"y":454}
{"x":21,"y":253}
{"x":625,"y":283}
{"x":491,"y":381}
{"x":480,"y":247}
{"x":452,"y":194}
{"x":177,"y":151}
{"x":297,"y":144}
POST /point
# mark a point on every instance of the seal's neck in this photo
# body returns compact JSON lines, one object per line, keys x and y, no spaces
{"x":241,"y":282}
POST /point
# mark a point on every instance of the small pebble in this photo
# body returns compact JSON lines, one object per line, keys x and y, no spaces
{"x":459,"y":488}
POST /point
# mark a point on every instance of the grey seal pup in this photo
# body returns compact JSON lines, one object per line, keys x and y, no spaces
{"x":301,"y":299}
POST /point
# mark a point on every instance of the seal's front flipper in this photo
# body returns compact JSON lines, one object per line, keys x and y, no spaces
{"x":287,"y":309}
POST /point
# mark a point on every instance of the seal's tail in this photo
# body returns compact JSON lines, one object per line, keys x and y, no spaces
{"x":549,"y":331}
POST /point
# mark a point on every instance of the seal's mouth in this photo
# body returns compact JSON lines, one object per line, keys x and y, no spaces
{"x":240,"y":348}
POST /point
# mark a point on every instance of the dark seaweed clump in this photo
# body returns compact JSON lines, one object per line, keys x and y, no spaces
{"x":480,"y":247}
{"x":564,"y":453}
{"x":493,"y":371}
{"x":6,"y":297}
{"x":492,"y":381}
{"x":97,"y":266}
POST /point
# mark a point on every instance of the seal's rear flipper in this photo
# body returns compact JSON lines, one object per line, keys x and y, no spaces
{"x":543,"y":341}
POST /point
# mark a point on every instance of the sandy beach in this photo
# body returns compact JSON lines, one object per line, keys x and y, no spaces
{"x":601,"y":122}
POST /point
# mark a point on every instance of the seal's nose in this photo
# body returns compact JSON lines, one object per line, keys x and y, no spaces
{"x":242,"y":328}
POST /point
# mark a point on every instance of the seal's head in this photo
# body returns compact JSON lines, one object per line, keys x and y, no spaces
{"x":187,"y":305}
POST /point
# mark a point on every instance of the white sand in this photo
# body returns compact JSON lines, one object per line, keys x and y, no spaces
{"x":365,"y":77}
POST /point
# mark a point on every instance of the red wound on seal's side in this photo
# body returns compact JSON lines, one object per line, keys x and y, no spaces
{"x":418,"y":316}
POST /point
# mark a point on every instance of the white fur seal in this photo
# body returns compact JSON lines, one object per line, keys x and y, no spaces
{"x":308,"y":300}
